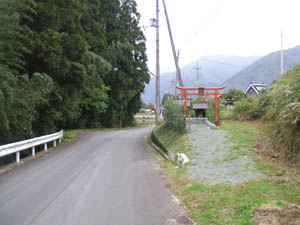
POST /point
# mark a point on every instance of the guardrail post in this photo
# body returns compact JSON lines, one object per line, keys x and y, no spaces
{"x":54,"y":144}
{"x":33,"y":151}
{"x":59,"y":141}
{"x":18,"y":157}
{"x":45,"y":147}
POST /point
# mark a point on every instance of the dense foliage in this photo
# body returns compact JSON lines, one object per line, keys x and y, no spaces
{"x":69,"y":64}
{"x":174,"y":117}
{"x":280,"y":105}
{"x":232,"y":96}
{"x":167,"y":98}
{"x":211,"y":112}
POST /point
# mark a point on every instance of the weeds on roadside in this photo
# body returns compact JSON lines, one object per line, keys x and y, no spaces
{"x":224,"y":203}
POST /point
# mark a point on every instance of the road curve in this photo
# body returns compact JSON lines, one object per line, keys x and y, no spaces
{"x":104,"y":178}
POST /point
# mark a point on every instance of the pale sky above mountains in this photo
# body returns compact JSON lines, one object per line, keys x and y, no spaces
{"x":237,"y":27}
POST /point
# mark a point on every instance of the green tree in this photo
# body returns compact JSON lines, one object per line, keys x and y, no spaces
{"x":234,"y":95}
{"x":15,"y":38}
{"x":127,"y":55}
{"x":20,"y":97}
{"x":62,"y":32}
{"x":174,"y":117}
{"x":93,"y":52}
{"x":94,"y":97}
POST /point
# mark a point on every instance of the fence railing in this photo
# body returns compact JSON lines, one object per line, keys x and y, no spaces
{"x":30,"y":144}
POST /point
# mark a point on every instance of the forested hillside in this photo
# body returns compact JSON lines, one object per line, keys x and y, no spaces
{"x":69,"y":64}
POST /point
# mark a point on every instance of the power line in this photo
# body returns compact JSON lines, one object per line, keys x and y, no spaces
{"x":205,"y":23}
{"x":198,"y":67}
{"x":223,"y":63}
{"x":188,"y":79}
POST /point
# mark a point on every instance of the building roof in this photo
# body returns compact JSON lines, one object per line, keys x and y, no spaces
{"x":201,"y":105}
{"x":257,"y":87}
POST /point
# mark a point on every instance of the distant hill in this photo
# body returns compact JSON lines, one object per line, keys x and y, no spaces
{"x":265,"y":70}
{"x":215,"y":69}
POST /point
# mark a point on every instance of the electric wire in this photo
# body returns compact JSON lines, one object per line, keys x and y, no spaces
{"x":189,"y":80}
{"x":218,"y":62}
{"x":204,"y":24}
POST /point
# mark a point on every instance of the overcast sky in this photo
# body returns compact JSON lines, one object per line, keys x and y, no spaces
{"x":237,"y":27}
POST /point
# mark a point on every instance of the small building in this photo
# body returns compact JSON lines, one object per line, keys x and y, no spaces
{"x":200,"y":109}
{"x":254,"y":89}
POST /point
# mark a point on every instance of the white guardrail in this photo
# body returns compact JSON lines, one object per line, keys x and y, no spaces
{"x":30,"y":144}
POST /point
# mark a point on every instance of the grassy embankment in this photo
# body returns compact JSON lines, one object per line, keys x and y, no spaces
{"x":232,"y":204}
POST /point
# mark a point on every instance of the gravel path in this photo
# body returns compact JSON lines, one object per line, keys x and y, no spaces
{"x":214,"y":159}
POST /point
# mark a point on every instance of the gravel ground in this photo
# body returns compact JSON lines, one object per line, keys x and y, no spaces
{"x":214,"y":161}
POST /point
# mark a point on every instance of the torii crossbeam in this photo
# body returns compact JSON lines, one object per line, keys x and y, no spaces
{"x":201,"y":92}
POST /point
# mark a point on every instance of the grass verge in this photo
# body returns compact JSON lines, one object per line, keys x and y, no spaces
{"x":229,"y":204}
{"x":173,"y":141}
{"x":69,"y":136}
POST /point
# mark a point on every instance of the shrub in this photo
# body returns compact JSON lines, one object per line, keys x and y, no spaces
{"x":285,"y":101}
{"x":226,"y":114}
{"x":233,"y":96}
{"x":250,"y":108}
{"x":242,"y":109}
{"x":211,"y":112}
{"x":280,"y":105}
{"x":192,"y":113}
{"x":174,"y":117}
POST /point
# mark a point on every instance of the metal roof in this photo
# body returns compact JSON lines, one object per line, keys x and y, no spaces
{"x":257,"y":87}
{"x":200,"y":106}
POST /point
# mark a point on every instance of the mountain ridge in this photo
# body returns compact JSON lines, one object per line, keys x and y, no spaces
{"x":215,"y":70}
{"x":264,"y":70}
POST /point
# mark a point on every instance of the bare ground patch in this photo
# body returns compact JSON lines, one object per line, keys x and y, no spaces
{"x":271,"y":214}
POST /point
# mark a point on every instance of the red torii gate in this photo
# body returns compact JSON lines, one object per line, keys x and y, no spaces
{"x":201,"y":92}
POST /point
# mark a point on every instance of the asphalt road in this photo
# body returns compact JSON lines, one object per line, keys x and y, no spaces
{"x":103,"y":178}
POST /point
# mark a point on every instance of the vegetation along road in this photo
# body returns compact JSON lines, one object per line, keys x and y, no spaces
{"x":104,"y":177}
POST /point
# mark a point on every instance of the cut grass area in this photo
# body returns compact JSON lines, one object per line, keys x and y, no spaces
{"x":228,"y":204}
{"x":241,"y":136}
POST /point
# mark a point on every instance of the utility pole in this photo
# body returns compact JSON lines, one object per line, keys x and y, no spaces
{"x":170,"y":86}
{"x":177,"y":75}
{"x":178,"y":72}
{"x":198,"y":68}
{"x":157,"y":67}
{"x":281,"y":55}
